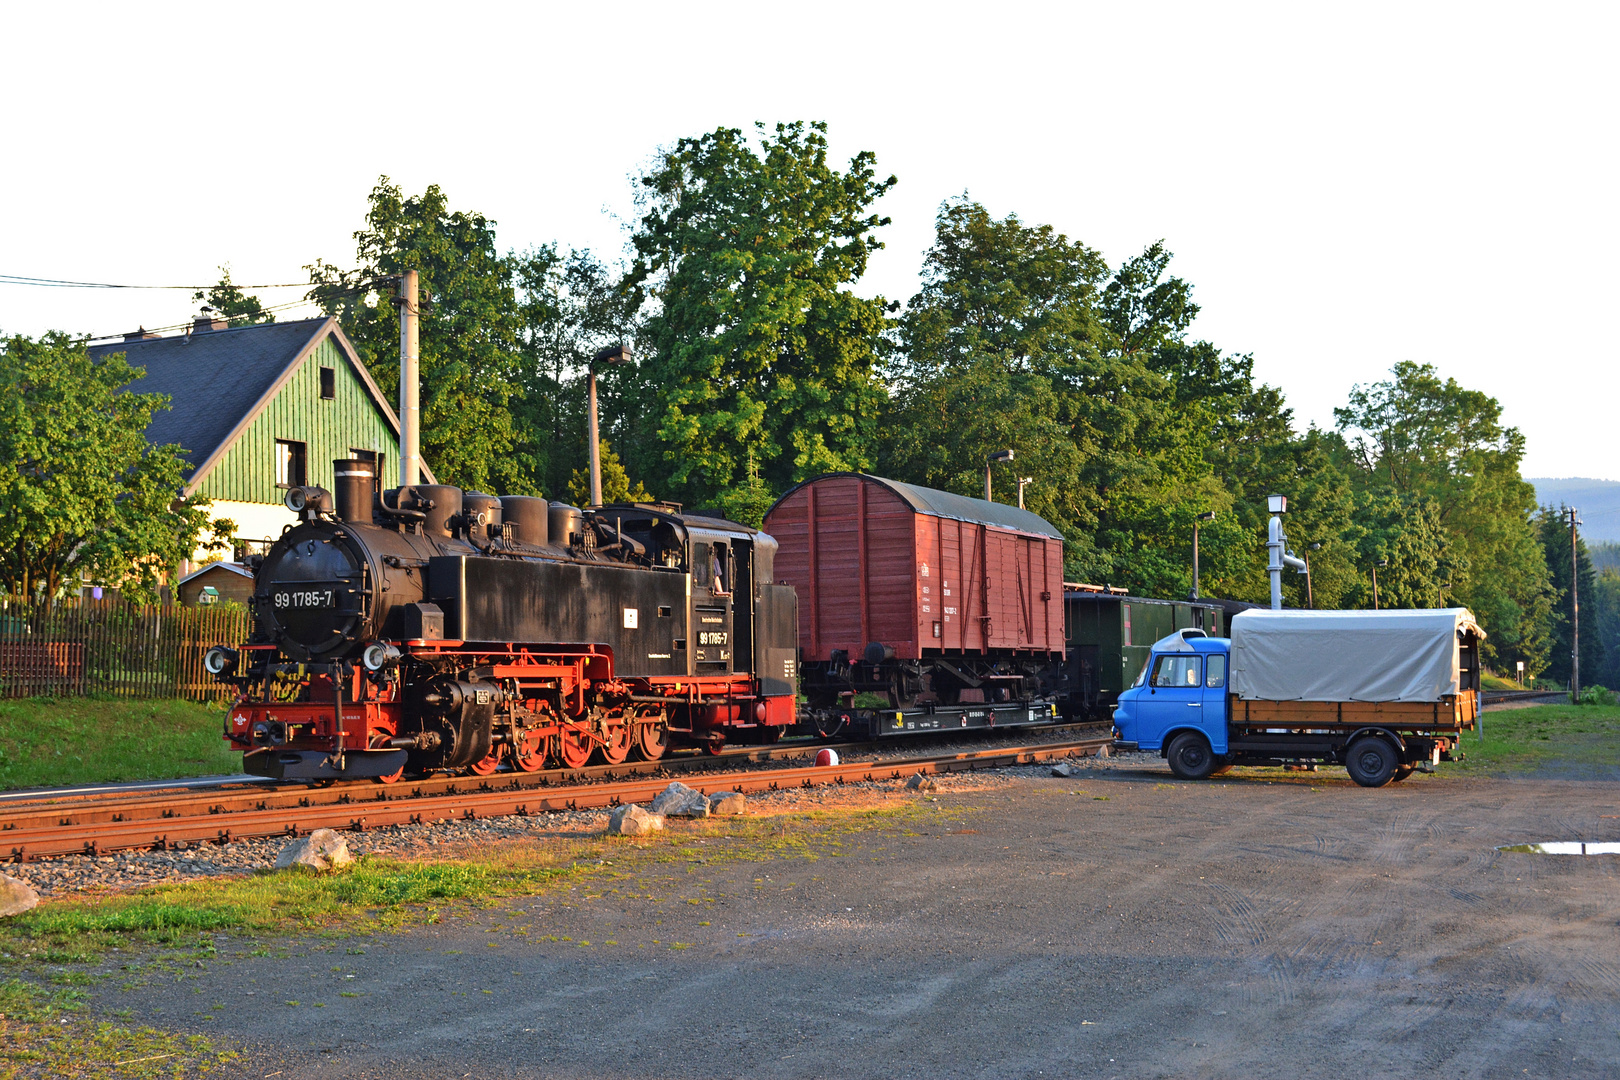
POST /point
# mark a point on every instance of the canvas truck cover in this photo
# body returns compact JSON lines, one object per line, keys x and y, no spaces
{"x":1348,"y":655}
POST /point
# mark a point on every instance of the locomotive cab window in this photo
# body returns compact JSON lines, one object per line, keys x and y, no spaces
{"x":328,"y":383}
{"x":1176,"y":671}
{"x":290,"y":460}
{"x":719,"y":570}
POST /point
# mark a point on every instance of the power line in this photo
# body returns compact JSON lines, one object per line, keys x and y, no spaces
{"x":363,"y":287}
{"x":58,"y":283}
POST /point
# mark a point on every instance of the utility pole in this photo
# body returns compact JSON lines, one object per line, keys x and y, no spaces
{"x":1574,"y":611}
{"x":1022,"y":480}
{"x":410,"y":390}
{"x":613,"y":354}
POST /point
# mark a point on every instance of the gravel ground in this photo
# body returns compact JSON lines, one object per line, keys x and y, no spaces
{"x":71,"y":874}
{"x":1114,"y":924}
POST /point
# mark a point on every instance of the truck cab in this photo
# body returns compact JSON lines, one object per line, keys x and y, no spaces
{"x":1182,"y":688}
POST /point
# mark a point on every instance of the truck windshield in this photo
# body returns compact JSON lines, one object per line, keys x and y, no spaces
{"x":1177,"y":671}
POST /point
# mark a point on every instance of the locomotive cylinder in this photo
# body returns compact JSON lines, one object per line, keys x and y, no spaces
{"x":528,"y":517}
{"x":474,"y":503}
{"x":446,"y":502}
{"x":567,"y":524}
{"x":356,"y":480}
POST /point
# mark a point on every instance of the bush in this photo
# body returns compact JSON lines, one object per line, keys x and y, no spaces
{"x":1597,"y":695}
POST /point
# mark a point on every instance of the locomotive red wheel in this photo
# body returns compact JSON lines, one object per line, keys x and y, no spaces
{"x":529,"y":753}
{"x":617,"y":747}
{"x":490,"y":762}
{"x":574,"y":746}
{"x":713,"y":746}
{"x":379,"y":741}
{"x":651,"y":740}
{"x":769,"y":735}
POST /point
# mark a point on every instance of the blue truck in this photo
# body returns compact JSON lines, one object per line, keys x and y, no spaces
{"x":1382,"y":693}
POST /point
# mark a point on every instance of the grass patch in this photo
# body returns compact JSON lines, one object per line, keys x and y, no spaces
{"x":49,"y":742}
{"x":45,"y":1033}
{"x":384,"y":894}
{"x":1523,"y":740}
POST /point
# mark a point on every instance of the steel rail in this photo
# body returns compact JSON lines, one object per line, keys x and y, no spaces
{"x":397,"y":807}
{"x":100,"y":806}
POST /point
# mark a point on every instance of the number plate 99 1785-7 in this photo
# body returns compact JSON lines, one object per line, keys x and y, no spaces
{"x":303,"y":599}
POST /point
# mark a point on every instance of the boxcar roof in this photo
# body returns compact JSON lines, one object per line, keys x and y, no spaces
{"x":957,"y":507}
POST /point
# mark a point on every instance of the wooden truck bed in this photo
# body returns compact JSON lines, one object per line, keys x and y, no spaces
{"x":1453,"y":714}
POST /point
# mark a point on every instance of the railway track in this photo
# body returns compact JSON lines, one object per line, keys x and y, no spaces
{"x":98,"y":825}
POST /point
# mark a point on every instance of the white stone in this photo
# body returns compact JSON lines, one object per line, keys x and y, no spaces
{"x":1063,"y":768}
{"x":322,"y":849}
{"x":919,"y":782}
{"x":16,"y":895}
{"x":632,"y":820}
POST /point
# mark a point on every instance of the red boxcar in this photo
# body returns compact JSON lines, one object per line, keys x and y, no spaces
{"x":922,"y":571}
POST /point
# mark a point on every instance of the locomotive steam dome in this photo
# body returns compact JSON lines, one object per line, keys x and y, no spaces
{"x":311,"y":591}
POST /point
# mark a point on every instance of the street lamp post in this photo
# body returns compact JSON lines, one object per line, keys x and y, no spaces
{"x":1310,"y":597}
{"x":999,"y":455}
{"x":613,"y":354}
{"x":1022,"y":480}
{"x":1380,"y":562}
{"x":1208,"y":515}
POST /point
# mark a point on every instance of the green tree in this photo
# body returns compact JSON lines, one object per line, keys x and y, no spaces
{"x":83,"y":495}
{"x":232,"y":303}
{"x":571,"y":305}
{"x":756,"y":347}
{"x":1416,"y":436}
{"x":470,"y":328}
{"x":616,"y":485}
{"x":1604,"y":608}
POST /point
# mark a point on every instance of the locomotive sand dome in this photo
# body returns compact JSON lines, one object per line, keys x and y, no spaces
{"x":919,"y":609}
{"x":430,"y":628}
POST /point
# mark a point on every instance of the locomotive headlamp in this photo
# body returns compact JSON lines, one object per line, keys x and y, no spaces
{"x":219,"y":661}
{"x":379,"y":655}
{"x":309,"y":500}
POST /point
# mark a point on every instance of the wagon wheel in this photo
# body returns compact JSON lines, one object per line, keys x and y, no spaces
{"x":530,"y":751}
{"x":489,"y":763}
{"x":651,"y":740}
{"x":574,"y":746}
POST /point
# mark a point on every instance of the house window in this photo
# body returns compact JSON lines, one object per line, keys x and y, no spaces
{"x":289,"y":464}
{"x":328,"y":383}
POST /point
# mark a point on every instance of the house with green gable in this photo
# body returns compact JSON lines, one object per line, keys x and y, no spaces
{"x":259,"y":409}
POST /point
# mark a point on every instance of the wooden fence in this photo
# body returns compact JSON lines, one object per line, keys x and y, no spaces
{"x":74,"y":647}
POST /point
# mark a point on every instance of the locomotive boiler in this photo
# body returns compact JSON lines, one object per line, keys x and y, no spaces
{"x":429,"y":628}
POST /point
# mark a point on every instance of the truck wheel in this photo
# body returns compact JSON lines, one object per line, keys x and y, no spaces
{"x":1190,"y":756}
{"x":1371,"y":761}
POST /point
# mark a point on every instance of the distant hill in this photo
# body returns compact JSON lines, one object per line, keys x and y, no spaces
{"x":1597,"y":500}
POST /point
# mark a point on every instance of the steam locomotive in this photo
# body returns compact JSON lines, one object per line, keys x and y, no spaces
{"x":428,"y":628}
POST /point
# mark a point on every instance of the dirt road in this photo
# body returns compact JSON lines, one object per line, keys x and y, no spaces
{"x":1121,"y":924}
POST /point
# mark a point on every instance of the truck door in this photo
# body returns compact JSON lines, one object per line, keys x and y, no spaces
{"x":1214,"y":709}
{"x":1175,"y":698}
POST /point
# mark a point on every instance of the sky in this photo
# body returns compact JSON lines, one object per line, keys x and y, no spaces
{"x":1345,"y":186}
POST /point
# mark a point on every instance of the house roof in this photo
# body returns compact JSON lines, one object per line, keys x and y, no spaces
{"x":217,"y":567}
{"x":218,"y":381}
{"x":957,"y":507}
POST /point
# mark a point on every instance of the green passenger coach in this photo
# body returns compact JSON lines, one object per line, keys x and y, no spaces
{"x":1110,"y":635}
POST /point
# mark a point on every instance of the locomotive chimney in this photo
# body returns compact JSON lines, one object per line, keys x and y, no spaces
{"x":356,"y":480}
